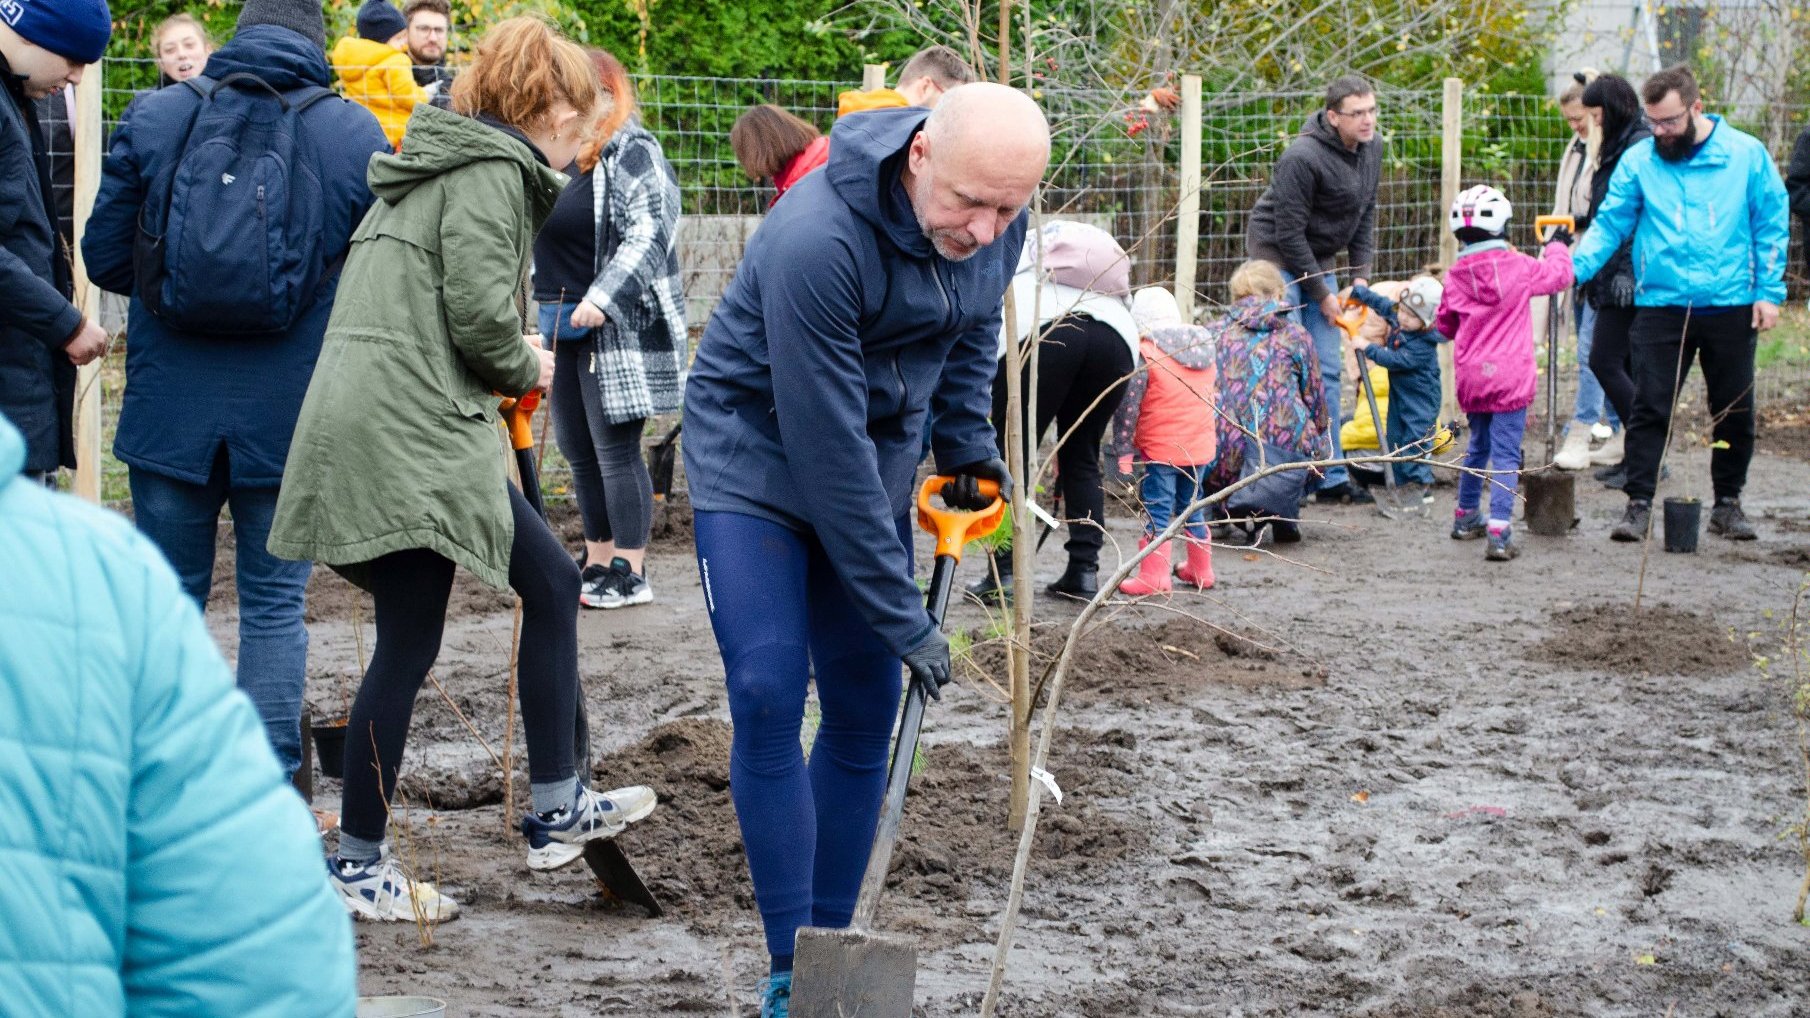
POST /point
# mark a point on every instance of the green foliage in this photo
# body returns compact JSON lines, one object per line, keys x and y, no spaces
{"x":748,"y":39}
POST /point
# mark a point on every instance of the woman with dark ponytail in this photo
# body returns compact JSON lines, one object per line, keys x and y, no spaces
{"x":1616,"y":107}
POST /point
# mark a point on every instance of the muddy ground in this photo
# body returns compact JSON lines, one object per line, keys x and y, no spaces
{"x":1369,"y":774}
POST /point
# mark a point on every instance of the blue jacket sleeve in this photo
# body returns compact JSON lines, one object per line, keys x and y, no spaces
{"x":264,"y":936}
{"x":1611,"y":226}
{"x":1383,"y":306}
{"x":1392,"y":358}
{"x":810,"y":311}
{"x":1769,"y":212}
{"x":107,"y":240}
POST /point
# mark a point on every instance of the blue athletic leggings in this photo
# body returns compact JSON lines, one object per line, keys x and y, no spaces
{"x":1495,"y":446}
{"x":779,"y":611}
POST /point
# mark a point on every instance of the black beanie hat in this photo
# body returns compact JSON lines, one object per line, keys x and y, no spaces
{"x":379,"y":22}
{"x":303,"y":17}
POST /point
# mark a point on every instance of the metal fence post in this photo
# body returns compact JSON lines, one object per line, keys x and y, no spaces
{"x":88,"y":131}
{"x":1451,"y":160}
{"x":1187,"y":223}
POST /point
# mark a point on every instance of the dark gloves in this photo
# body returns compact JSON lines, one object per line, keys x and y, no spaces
{"x":964,"y":493}
{"x":1560,"y":235}
{"x":929,"y":663}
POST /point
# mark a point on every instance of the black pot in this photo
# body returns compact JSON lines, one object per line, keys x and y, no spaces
{"x":330,"y":748}
{"x":1682,"y":519}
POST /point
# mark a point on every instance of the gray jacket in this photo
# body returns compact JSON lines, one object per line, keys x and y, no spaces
{"x":1321,"y":200}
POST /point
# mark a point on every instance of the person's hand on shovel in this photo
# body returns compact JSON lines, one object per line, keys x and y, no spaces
{"x":964,"y":491}
{"x":545,"y":381}
{"x":929,"y":663}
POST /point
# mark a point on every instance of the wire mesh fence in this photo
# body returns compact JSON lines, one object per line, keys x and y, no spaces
{"x":1115,"y":163}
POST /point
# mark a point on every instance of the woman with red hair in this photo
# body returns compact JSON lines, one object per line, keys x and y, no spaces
{"x":606,"y":275}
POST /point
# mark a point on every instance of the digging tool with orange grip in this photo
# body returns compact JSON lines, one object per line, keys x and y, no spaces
{"x":855,"y":970}
{"x":1551,"y":493}
{"x":518,"y":412}
{"x":1351,"y":326}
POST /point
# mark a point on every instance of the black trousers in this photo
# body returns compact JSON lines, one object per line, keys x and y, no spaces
{"x":609,"y":475}
{"x":1079,"y":359}
{"x":1609,"y":359}
{"x":410,"y":590}
{"x":1665,"y":342}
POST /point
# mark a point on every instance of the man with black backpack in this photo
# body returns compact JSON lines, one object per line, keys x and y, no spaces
{"x":226,"y":209}
{"x":44,"y":45}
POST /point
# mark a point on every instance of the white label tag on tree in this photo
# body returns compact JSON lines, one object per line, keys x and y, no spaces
{"x":1048,"y":781}
{"x":1043,"y":515}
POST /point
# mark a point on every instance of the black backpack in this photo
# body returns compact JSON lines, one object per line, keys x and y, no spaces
{"x":230,"y":236}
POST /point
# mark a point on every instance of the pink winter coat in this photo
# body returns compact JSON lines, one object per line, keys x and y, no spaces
{"x":1485,"y":311}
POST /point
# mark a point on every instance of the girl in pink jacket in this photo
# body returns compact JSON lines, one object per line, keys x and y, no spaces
{"x":1485,"y":311}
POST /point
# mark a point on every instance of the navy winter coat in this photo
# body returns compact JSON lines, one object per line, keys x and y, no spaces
{"x":1412,"y":360}
{"x":37,"y":382}
{"x":187,"y":397}
{"x":842,"y":327}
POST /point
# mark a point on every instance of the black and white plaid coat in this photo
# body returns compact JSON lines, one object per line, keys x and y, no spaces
{"x":641,"y":350}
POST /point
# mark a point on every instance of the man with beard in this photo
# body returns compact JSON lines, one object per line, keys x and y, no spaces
{"x":1707,"y":212}
{"x":430,"y":32}
{"x":868,"y":297}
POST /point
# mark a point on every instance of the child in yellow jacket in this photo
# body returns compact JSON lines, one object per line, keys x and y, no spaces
{"x":374,"y":69}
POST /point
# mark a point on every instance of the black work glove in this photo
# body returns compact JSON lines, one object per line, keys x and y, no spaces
{"x":964,"y":493}
{"x":1560,"y":235}
{"x":929,"y":663}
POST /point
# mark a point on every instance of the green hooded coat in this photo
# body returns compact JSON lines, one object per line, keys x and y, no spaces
{"x":397,"y":446}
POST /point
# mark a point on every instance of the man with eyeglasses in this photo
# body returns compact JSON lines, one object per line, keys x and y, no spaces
{"x":1707,"y":211}
{"x":430,"y":32}
{"x":1322,"y":200}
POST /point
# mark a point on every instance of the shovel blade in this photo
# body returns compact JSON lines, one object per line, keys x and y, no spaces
{"x":843,"y":973}
{"x":616,"y":876}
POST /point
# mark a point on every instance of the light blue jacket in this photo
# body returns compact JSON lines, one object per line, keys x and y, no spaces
{"x":1710,"y":231}
{"x":153,"y":861}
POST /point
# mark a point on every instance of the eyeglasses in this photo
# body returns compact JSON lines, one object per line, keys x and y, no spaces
{"x":1367,"y":113}
{"x":1667,"y":124}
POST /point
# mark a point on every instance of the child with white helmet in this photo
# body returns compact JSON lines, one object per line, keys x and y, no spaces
{"x":1485,"y":310}
{"x":1410,"y":353}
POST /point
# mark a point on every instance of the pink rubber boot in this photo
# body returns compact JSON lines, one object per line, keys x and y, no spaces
{"x":1153,"y":573}
{"x":1198,"y":570}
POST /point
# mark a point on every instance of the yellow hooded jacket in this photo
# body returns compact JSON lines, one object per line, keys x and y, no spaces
{"x":379,"y":78}
{"x":854,"y":101}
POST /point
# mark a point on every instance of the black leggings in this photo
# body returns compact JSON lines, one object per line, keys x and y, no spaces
{"x":1079,"y":359}
{"x":1610,"y":345}
{"x":609,"y":475}
{"x":411,"y":589}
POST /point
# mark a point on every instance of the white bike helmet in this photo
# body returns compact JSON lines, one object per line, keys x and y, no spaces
{"x":1482,"y":207}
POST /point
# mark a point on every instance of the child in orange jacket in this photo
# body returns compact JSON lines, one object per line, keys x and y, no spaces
{"x":1168,"y":418}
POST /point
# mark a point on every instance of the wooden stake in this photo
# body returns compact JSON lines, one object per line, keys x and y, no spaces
{"x":1187,"y":224}
{"x":873,"y":76}
{"x":1451,"y":170}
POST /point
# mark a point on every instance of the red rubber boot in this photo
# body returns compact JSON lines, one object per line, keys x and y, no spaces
{"x":1198,"y":570}
{"x":1153,"y":573}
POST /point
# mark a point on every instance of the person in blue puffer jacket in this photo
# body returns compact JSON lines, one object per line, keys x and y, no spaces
{"x":1707,"y":211}
{"x":154,"y":861}
{"x":206,"y":420}
{"x":869,"y":297}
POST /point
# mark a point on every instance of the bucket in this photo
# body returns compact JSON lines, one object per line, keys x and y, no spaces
{"x":1682,"y":517}
{"x":399,"y":1007}
{"x":1551,"y":501}
{"x":330,"y":747}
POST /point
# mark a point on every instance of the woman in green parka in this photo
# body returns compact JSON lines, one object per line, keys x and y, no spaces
{"x":397,"y":475}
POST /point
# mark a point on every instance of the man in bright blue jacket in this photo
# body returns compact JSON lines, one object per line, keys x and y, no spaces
{"x":154,"y":861}
{"x":207,"y":419}
{"x":868,"y":297}
{"x":1707,"y":211}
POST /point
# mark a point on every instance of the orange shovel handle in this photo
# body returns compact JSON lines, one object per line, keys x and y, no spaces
{"x":1349,"y":325}
{"x":956,"y":527}
{"x":520,"y":413}
{"x":1542,"y":225}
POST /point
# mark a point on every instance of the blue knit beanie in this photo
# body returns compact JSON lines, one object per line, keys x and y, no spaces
{"x":377,"y":21}
{"x":76,"y":30}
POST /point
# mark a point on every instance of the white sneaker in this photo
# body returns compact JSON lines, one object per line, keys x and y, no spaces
{"x":558,"y":840}
{"x":1575,"y":453}
{"x":1601,"y":431}
{"x":380,"y":891}
{"x":1610,"y":452}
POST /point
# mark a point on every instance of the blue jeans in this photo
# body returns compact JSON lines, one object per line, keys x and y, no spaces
{"x":1168,"y":490}
{"x":1329,"y":345}
{"x":1591,"y":404}
{"x":1495,"y":447}
{"x":780,"y":614}
{"x":181,"y":519}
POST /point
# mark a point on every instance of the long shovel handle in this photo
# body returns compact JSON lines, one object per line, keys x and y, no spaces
{"x":953,"y":528}
{"x":1543,"y":227}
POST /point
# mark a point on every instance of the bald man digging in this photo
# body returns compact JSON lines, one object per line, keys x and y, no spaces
{"x":867,"y":298}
